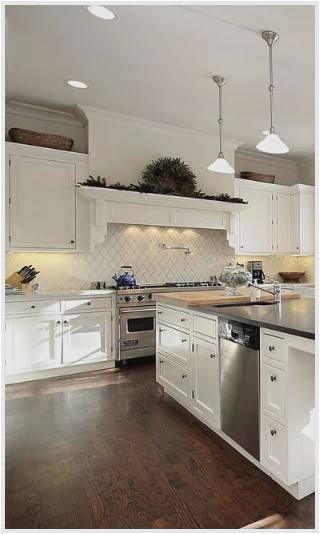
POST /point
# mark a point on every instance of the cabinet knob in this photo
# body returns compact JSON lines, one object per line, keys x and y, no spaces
{"x":65,"y":322}
{"x":183,"y":320}
{"x":273,"y":378}
{"x":271,"y":348}
{"x":72,"y":241}
{"x":160,"y":361}
{"x":33,"y":306}
{"x":184,"y":376}
{"x":58,"y":322}
{"x":184,"y":340}
{"x":273,"y":432}
{"x":212,"y":355}
{"x":241,"y":246}
{"x":88,"y":303}
{"x":159,"y":312}
{"x":161,"y":330}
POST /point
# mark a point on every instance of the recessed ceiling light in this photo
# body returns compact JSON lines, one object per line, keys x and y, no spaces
{"x":77,"y":84}
{"x":102,"y":12}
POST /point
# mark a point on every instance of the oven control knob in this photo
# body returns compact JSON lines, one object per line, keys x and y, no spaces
{"x":140,"y":297}
{"x":127,"y":299}
{"x":150,"y":296}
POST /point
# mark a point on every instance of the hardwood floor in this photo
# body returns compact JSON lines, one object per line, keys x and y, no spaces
{"x":108,"y":449}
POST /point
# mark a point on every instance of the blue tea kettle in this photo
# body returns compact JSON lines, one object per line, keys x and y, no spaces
{"x":125,"y":279}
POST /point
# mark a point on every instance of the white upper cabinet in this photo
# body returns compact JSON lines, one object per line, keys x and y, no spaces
{"x":278,"y":219}
{"x":255,"y":226}
{"x":42,"y":199}
{"x":303,"y":224}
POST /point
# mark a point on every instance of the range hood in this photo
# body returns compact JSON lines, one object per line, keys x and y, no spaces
{"x":148,"y":209}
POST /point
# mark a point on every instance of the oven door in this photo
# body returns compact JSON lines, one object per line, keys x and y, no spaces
{"x":137,"y":332}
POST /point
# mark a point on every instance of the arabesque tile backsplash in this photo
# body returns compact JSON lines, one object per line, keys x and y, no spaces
{"x":139,"y":246}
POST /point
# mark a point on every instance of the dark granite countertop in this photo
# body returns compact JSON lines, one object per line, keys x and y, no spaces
{"x":296,"y":316}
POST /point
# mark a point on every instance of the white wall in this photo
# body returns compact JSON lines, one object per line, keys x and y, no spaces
{"x":120,"y":147}
{"x":285,"y":170}
{"x":20,"y":115}
{"x":307,"y":171}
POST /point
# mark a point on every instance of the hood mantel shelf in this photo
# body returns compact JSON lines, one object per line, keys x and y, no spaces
{"x":130,"y":207}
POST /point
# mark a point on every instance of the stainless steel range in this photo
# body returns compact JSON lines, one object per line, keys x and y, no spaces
{"x":137,"y":315}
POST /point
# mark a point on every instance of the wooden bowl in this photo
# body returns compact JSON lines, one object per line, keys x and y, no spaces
{"x":293,"y":276}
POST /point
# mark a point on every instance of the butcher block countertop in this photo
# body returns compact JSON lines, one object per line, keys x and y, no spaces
{"x":215,"y":296}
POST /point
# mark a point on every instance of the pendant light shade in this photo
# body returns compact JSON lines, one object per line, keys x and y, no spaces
{"x":271,"y":143}
{"x":220,"y":165}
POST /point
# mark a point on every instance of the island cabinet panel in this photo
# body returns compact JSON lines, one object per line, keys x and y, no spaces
{"x":273,"y":391}
{"x":274,"y":447}
{"x":174,"y":378}
{"x":174,"y":342}
{"x":205,"y":325}
{"x":206,"y":380}
{"x":174,"y":316}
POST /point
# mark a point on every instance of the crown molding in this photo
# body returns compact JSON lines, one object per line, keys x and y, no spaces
{"x":120,"y":118}
{"x":265,"y":158}
{"x":14,"y":107}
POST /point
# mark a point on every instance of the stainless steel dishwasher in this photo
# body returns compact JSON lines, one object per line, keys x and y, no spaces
{"x":239,"y":379}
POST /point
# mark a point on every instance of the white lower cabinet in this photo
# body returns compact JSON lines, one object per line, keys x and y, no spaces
{"x":175,"y":342}
{"x":274,"y":448}
{"x":33,"y":343}
{"x":206,"y":380}
{"x":86,"y":337}
{"x":174,"y":378}
{"x":273,"y":391}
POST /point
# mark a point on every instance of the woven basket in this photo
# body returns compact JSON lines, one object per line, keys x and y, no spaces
{"x":28,"y":137}
{"x":258,"y":177}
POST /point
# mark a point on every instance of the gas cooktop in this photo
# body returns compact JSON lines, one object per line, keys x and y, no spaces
{"x":168,"y":285}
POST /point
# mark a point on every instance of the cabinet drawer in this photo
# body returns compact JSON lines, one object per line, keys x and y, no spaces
{"x":33,"y":307}
{"x":205,"y":326}
{"x":176,"y":343}
{"x":274,"y":447}
{"x":274,"y":347}
{"x":86,"y":304}
{"x":273,"y":391}
{"x":177,"y":317}
{"x":173,"y":378}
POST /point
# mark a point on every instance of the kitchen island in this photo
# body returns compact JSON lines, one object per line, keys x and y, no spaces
{"x":189,"y":362}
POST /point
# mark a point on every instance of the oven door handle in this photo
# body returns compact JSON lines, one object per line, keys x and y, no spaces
{"x":137,"y":310}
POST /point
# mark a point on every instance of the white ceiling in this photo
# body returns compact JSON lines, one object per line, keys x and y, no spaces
{"x":156,"y":62}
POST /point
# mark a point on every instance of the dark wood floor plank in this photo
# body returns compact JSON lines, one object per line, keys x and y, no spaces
{"x":108,"y":449}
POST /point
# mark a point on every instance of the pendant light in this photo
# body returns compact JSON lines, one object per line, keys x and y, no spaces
{"x":271,"y":143}
{"x":220,"y":164}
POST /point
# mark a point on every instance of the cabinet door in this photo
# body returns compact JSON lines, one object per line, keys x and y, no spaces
{"x":33,"y":343}
{"x":273,"y":391}
{"x":175,"y":342}
{"x":274,"y":447}
{"x":307,"y":222}
{"x":206,"y":386}
{"x":42,"y":204}
{"x":256,"y":222}
{"x":174,"y":378}
{"x":87,"y":337}
{"x":282,"y":223}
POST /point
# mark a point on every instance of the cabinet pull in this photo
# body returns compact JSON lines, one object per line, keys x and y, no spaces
{"x":184,"y":376}
{"x":212,"y":355}
{"x":273,"y":378}
{"x":58,"y":322}
{"x":33,"y":306}
{"x":273,"y":431}
{"x":65,"y":322}
{"x":183,"y":320}
{"x":184,"y":340}
{"x":72,"y":241}
{"x":159,"y":312}
{"x":160,"y":361}
{"x":161,"y":330}
{"x":271,"y":348}
{"x":88,"y":303}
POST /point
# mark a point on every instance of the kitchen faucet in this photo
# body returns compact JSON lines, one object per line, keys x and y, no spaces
{"x":276,"y":289}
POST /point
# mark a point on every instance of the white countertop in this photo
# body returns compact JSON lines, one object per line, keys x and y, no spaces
{"x":61,"y":294}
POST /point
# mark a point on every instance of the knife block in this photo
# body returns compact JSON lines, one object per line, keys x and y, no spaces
{"x":15,"y":280}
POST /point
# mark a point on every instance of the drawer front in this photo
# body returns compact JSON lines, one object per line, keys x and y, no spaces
{"x":274,"y":447}
{"x":173,"y":378}
{"x":179,"y":318}
{"x":205,"y":326}
{"x":33,"y":307}
{"x":86,"y":304}
{"x":273,"y":391}
{"x":274,"y":347}
{"x":176,"y":343}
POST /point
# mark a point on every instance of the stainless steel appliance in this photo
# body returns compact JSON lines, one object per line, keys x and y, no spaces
{"x":137,"y":315}
{"x":255,"y":268}
{"x":239,"y":380}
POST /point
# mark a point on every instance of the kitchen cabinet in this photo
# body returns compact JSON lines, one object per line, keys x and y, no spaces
{"x":174,"y":378}
{"x":41,"y":198}
{"x":278,"y":219}
{"x":33,"y":342}
{"x":175,"y":342}
{"x":206,"y":379}
{"x":39,"y":337}
{"x":303,"y":224}
{"x":86,"y":337}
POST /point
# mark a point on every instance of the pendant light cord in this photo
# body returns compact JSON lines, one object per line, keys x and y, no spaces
{"x":271,"y":87}
{"x":220,"y":121}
